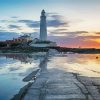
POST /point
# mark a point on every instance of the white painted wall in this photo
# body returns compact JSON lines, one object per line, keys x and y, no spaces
{"x":43,"y":45}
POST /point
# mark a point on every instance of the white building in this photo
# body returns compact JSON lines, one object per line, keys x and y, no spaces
{"x":43,"y":26}
{"x":25,"y":38}
{"x":43,"y":42}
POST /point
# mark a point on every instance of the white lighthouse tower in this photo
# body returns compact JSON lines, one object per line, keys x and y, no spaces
{"x":43,"y":26}
{"x":42,"y":41}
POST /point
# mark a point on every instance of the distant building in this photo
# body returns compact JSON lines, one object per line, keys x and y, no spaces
{"x":26,"y":38}
{"x":22,"y":40}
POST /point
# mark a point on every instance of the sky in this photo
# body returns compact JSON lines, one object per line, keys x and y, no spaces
{"x":71,"y":23}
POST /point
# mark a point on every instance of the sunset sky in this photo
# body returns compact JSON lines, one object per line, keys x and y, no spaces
{"x":71,"y":23}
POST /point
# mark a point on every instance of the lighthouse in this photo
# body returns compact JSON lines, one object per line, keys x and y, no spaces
{"x":42,"y":41}
{"x":43,"y":26}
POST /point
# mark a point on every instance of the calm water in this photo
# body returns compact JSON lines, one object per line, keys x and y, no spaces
{"x":15,"y":67}
{"x":84,"y":64}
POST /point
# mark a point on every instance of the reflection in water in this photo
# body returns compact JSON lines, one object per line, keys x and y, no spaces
{"x":26,"y":58}
{"x":41,"y":68}
{"x":13,"y":68}
{"x":16,"y":67}
{"x":43,"y":63}
{"x":84,"y":64}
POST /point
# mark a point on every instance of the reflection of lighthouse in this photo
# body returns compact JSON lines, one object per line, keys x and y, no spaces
{"x":43,"y":64}
{"x":43,"y":27}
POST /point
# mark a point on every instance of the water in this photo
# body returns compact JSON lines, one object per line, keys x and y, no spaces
{"x":15,"y":67}
{"x":84,"y":64}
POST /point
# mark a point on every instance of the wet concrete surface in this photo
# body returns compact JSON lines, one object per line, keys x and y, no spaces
{"x":59,"y":85}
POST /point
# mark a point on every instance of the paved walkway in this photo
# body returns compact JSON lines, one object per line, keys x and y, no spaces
{"x":57,"y":85}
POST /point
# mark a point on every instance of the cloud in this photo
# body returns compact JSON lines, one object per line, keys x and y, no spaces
{"x":14,"y":27}
{"x":79,"y":32}
{"x":56,"y":16}
{"x":58,"y":29}
{"x":52,"y":21}
{"x":14,"y":17}
{"x":98,"y":33}
{"x":30,"y":23}
{"x":56,"y":20}
{"x":65,"y":32}
{"x":7,"y":35}
{"x":83,"y":41}
{"x":8,"y":21}
{"x":65,"y":41}
{"x":56,"y":23}
{"x":26,"y":21}
{"x":76,"y":33}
